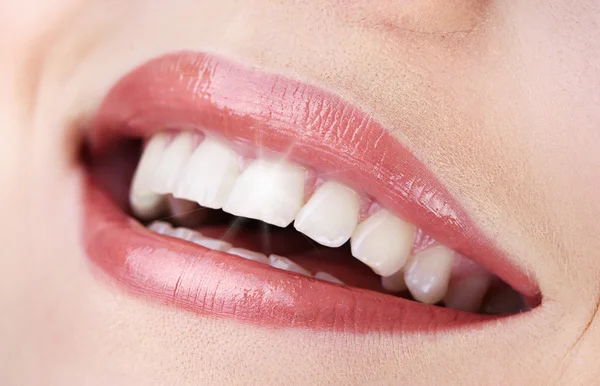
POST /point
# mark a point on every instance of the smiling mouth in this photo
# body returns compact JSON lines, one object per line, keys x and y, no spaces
{"x":271,"y":201}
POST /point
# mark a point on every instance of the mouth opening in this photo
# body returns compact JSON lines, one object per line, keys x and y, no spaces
{"x":147,"y":178}
{"x":225,"y":190}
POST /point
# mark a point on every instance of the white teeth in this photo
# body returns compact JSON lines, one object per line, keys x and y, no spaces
{"x":330,"y":216}
{"x":144,"y":202}
{"x":394,"y":282}
{"x":165,"y":228}
{"x":185,"y":234}
{"x":174,"y":158}
{"x":161,"y":227}
{"x":215,"y":245}
{"x":467,"y":293}
{"x":383,"y":242}
{"x":327,"y":277}
{"x":190,"y":235}
{"x":286,"y":264}
{"x":250,"y":255}
{"x":209,"y":175}
{"x":427,"y":274}
{"x":271,"y":191}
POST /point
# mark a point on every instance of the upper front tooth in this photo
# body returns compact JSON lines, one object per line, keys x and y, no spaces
{"x":427,"y":274}
{"x":330,"y":216}
{"x":383,"y":242}
{"x":209,"y":175}
{"x":144,"y":202}
{"x":271,"y":191}
{"x":174,"y":158}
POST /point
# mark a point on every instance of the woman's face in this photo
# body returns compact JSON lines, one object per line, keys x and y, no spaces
{"x":499,"y":100}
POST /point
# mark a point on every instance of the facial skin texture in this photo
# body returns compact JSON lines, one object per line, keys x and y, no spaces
{"x":500,"y":99}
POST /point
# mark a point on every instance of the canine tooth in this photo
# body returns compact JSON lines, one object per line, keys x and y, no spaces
{"x":330,"y":215}
{"x":250,"y":255}
{"x":394,"y":282}
{"x":144,"y":202}
{"x":174,"y":158}
{"x":209,"y":175}
{"x":327,"y":277}
{"x":286,"y":264}
{"x":271,"y":191}
{"x":161,"y":227}
{"x":383,"y":242}
{"x":467,"y":293}
{"x":214,"y":244}
{"x":427,"y":274}
{"x":185,"y":234}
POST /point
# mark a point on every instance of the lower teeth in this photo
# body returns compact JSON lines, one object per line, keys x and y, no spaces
{"x":502,"y":301}
{"x":275,"y":261}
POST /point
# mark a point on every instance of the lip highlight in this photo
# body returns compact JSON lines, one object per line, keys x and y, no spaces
{"x":311,"y":126}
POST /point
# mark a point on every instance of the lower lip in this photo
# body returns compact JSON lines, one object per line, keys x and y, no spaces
{"x":211,"y":283}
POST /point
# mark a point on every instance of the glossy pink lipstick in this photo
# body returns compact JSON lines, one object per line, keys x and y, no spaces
{"x":313,"y":127}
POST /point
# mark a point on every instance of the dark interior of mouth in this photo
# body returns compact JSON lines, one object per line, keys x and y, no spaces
{"x":113,"y":170}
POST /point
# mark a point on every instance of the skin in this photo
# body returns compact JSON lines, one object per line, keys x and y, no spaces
{"x":499,"y":98}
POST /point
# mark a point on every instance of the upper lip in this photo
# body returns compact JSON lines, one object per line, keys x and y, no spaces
{"x":312,"y":126}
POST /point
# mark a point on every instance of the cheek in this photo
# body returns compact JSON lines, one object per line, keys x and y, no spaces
{"x":545,"y":113}
{"x":557,"y":60}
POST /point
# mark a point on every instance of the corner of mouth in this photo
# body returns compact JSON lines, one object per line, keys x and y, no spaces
{"x":201,"y":103}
